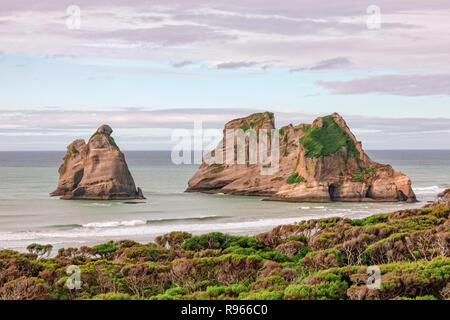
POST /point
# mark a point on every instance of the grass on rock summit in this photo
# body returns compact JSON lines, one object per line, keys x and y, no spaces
{"x":326,"y":140}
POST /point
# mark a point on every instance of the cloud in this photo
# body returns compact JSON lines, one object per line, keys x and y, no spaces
{"x":299,"y":32}
{"x":335,"y":63}
{"x":236,"y":65}
{"x":167,"y":35}
{"x":182,"y":64}
{"x":401,"y":85}
{"x":141,"y":129}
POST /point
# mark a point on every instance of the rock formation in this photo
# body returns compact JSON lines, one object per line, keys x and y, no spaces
{"x":321,"y":162}
{"x":444,"y":198}
{"x":96,"y":171}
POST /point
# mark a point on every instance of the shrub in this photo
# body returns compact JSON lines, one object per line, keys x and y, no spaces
{"x":105,"y":249}
{"x":321,"y":291}
{"x":174,"y":239}
{"x":375,"y":219}
{"x":262,"y":294}
{"x":275,"y":256}
{"x":214,"y":240}
{"x":295,"y":178}
{"x":114,"y":296}
{"x":24,"y":289}
{"x":145,"y":253}
{"x":39,"y":249}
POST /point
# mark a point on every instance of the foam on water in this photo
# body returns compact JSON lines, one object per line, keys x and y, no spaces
{"x":110,"y":224}
{"x":428,"y":190}
{"x":125,"y":229}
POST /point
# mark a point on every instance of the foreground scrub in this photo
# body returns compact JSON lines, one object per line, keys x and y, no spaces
{"x":315,"y":259}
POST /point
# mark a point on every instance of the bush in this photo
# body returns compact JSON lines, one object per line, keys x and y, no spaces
{"x":214,"y":240}
{"x":24,"y":289}
{"x":39,"y":249}
{"x":105,"y":249}
{"x":174,"y":239}
{"x":295,"y":178}
{"x":114,"y":296}
{"x":322,"y":291}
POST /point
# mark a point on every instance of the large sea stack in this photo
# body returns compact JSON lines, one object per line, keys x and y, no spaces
{"x":320,"y":162}
{"x":96,"y":171}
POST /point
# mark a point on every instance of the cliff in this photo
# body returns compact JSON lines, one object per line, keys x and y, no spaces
{"x":321,"y":162}
{"x":96,"y":171}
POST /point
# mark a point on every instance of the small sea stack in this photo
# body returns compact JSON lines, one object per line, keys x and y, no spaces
{"x":318,"y":162}
{"x":96,"y":171}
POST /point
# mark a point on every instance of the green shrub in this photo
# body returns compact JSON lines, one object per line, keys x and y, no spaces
{"x":372,"y":220}
{"x":245,"y":242}
{"x":295,"y":178}
{"x":322,"y":291}
{"x":145,"y":251}
{"x":39,"y":249}
{"x":262,"y":294}
{"x":302,"y":253}
{"x":214,"y":240}
{"x":105,"y":249}
{"x":231,"y":291}
{"x":275,"y":256}
{"x":113,"y":296}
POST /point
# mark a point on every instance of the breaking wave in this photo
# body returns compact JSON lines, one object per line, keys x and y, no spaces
{"x":428,"y":190}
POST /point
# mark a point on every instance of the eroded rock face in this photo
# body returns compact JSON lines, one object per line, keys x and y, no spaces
{"x":321,"y":162}
{"x":444,"y":198}
{"x":96,"y":171}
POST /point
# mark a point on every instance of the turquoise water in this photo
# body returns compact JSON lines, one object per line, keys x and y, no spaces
{"x":28,"y":214}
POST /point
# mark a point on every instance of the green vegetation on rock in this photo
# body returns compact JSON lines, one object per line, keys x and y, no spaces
{"x":363,"y":174}
{"x":295,"y":178}
{"x":326,"y":140}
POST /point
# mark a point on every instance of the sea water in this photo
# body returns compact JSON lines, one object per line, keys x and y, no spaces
{"x":28,"y":215}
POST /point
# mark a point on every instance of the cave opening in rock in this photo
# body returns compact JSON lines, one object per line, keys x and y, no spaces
{"x":332,"y":190}
{"x":369,"y":192}
{"x":77,"y":178}
{"x":401,"y":196}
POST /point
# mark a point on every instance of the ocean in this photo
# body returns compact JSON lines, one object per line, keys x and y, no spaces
{"x":28,"y":215}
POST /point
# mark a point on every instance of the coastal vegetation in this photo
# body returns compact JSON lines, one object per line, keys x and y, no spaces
{"x":327,"y":139}
{"x":362,"y":174}
{"x":316,"y":259}
{"x":295,"y":178}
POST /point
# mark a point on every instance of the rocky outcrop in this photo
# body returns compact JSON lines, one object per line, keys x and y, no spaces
{"x":444,"y":198}
{"x":96,"y":171}
{"x":321,"y":162}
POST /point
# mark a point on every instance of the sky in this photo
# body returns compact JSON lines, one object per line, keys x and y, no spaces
{"x":148,"y":67}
